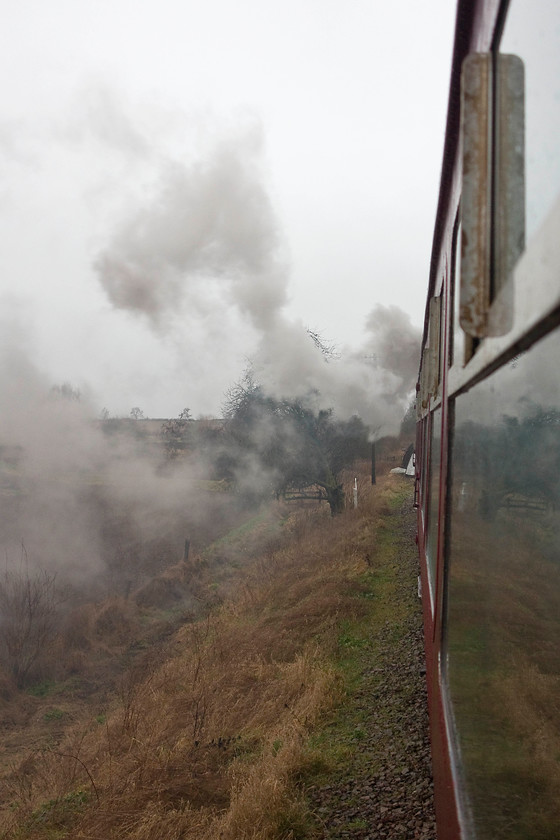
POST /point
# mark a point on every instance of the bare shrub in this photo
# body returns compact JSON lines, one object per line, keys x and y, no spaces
{"x":77,"y":631}
{"x":115,"y":623}
{"x":207,"y":736}
{"x":28,"y":619}
{"x":7,"y":687}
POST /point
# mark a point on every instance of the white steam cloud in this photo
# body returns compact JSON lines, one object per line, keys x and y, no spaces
{"x":196,"y":252}
{"x":209,"y":227}
{"x":94,"y":506}
{"x":207,"y":241}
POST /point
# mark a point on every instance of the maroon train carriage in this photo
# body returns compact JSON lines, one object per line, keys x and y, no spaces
{"x":488,"y":434}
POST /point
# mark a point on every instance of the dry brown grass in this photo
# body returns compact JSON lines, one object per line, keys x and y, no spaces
{"x":207,"y":735}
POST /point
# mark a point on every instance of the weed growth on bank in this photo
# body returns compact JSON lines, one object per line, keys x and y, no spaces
{"x":214,"y":733}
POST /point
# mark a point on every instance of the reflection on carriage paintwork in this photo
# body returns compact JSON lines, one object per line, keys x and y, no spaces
{"x":433,"y":512}
{"x":503,"y":657}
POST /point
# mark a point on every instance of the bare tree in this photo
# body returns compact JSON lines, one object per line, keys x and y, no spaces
{"x":328,"y":349}
{"x":176,"y":433}
{"x":28,"y":618}
{"x":66,"y":391}
{"x":300,"y":452}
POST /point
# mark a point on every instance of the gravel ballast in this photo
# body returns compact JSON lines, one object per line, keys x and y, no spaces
{"x":384,"y":790}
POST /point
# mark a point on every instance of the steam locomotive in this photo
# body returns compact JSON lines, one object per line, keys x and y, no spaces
{"x":488,"y":432}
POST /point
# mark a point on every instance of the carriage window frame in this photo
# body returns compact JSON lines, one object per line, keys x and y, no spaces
{"x":492,"y":213}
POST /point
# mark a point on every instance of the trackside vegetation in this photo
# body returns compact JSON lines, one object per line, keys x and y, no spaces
{"x":248,"y":718}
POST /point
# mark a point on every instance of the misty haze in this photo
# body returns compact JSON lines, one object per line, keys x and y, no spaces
{"x":199,"y":351}
{"x":84,"y":497}
{"x":100,"y":504}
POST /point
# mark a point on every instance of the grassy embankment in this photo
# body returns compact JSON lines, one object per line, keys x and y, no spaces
{"x":215,"y":733}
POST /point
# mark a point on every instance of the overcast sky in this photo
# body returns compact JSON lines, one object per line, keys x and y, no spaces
{"x":174,"y":174}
